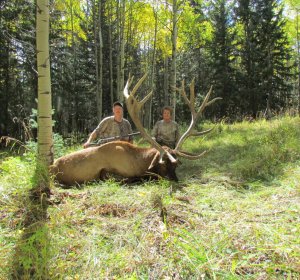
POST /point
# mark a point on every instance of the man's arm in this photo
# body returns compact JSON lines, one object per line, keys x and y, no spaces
{"x":92,"y":137}
{"x":155,"y":131}
{"x":98,"y":131}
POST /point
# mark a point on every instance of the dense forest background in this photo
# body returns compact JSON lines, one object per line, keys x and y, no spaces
{"x":248,"y":50}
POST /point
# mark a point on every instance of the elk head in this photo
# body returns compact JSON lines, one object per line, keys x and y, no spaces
{"x":166,"y":160}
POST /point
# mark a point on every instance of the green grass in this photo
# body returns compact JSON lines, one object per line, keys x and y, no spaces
{"x":233,"y":215}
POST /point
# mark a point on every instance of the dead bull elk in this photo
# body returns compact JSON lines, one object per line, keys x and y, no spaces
{"x":125,"y":159}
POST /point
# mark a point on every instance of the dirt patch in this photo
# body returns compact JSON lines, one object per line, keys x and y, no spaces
{"x":113,"y":210}
{"x":60,"y":197}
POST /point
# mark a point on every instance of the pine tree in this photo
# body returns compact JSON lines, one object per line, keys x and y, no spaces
{"x":274,"y":56}
{"x":222,"y":50}
{"x":264,"y":56}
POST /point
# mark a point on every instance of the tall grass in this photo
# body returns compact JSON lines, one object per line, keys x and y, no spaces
{"x":251,"y":150}
{"x":233,"y":215}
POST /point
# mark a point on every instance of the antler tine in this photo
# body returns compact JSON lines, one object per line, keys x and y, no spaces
{"x":145,"y":99}
{"x":189,"y":156}
{"x":192,"y":93}
{"x":182,"y":92}
{"x":207,"y":103}
{"x":213,"y":100}
{"x":199,"y":133}
{"x":134,"y":107}
{"x":204,"y":103}
{"x":195,"y":115}
{"x":128,"y":83}
{"x":138,"y":84}
{"x":183,"y":137}
{"x":192,"y":156}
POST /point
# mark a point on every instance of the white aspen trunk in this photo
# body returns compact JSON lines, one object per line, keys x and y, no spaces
{"x":174,"y":55}
{"x":100,"y":109}
{"x":166,"y":73}
{"x":166,"y":81}
{"x":298,"y":59}
{"x":98,"y":58}
{"x":153,"y":66}
{"x":74,"y":81}
{"x":119,"y":47}
{"x":111,"y":82}
{"x":98,"y":101}
{"x":122,"y":51}
{"x":45,"y":141}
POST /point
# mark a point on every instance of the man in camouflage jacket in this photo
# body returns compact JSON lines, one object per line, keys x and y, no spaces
{"x":111,"y":127}
{"x":166,"y":131}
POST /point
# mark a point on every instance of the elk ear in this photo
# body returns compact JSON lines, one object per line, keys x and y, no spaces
{"x":154,"y":161}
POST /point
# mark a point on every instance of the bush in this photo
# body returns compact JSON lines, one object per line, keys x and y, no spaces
{"x":58,"y":144}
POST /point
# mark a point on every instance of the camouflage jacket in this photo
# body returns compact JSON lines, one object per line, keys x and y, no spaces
{"x":166,"y":133}
{"x":109,"y":127}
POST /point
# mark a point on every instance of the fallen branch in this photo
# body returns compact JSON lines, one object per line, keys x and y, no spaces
{"x":13,"y":141}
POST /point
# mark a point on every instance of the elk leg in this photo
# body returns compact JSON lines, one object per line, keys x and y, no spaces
{"x":103,"y":175}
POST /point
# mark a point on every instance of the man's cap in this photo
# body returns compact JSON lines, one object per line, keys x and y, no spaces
{"x":118,"y":103}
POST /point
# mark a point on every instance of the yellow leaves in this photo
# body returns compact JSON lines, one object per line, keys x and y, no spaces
{"x":149,"y":22}
{"x":72,"y":16}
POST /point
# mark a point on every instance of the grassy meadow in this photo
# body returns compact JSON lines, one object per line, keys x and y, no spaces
{"x":234,"y":214}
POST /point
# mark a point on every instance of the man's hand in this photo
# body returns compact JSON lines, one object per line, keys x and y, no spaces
{"x":90,"y":139}
{"x":86,"y":145}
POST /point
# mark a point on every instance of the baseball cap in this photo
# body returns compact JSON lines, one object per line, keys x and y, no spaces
{"x":118,"y":103}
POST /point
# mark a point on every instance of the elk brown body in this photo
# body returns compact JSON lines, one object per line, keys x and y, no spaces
{"x":118,"y":157}
{"x":125,"y":159}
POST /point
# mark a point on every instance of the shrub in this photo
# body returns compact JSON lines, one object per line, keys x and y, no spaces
{"x":58,"y":144}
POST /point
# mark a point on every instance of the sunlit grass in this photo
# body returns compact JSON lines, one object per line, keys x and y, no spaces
{"x":256,"y":150}
{"x":233,"y":215}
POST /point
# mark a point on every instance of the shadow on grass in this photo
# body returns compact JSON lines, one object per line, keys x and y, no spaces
{"x":215,"y":161}
{"x":246,"y":161}
{"x":30,"y":259}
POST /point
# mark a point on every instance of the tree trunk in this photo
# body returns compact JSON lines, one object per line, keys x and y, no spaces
{"x":174,"y":55}
{"x":166,"y":81}
{"x":45,"y":142}
{"x":100,"y":61}
{"x":111,"y":79}
{"x":298,"y":59}
{"x":7,"y":87}
{"x":153,"y":64}
{"x":122,"y":51}
{"x":98,"y":57}
{"x":74,"y":101}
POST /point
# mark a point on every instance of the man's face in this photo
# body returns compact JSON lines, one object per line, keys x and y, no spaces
{"x":167,"y":115}
{"x":118,"y":111}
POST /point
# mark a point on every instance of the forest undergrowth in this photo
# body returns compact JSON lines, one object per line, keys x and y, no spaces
{"x":234,"y":214}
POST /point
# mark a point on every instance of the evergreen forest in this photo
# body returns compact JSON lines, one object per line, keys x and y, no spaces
{"x":248,"y":51}
{"x":233,"y":213}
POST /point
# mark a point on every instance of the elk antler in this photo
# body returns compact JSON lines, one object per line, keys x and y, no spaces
{"x":195,"y":115}
{"x":134,"y":108}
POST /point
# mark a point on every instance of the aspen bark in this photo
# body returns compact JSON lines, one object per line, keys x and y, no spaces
{"x":98,"y":57}
{"x":121,"y":50}
{"x":174,"y":55}
{"x":111,"y":81}
{"x":45,"y":142}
